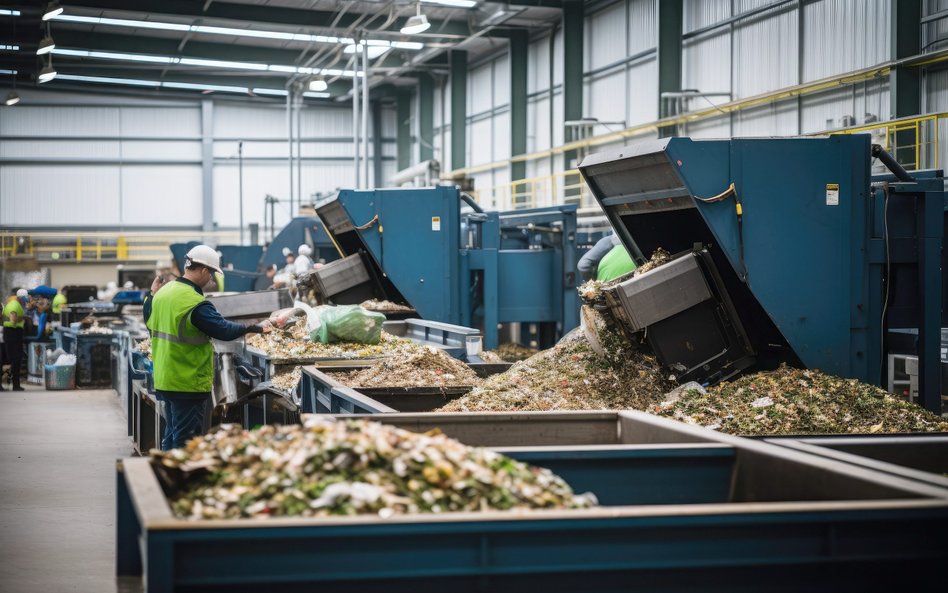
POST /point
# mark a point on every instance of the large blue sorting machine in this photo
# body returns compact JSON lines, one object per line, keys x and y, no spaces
{"x":476,"y":269}
{"x":807,"y":257}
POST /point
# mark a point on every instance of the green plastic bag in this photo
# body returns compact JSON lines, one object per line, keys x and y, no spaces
{"x":348,"y":323}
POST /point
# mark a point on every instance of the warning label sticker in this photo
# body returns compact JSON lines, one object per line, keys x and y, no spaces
{"x":436,"y":223}
{"x":832,"y":194}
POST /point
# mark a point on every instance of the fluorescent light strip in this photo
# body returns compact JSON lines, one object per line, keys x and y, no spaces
{"x":107,"y":55}
{"x":452,"y":3}
{"x":5,"y":12}
{"x":10,"y":47}
{"x":181,"y":85}
{"x":231,"y":32}
{"x":14,"y":72}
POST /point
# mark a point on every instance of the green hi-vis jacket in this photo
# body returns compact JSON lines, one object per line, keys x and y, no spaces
{"x":615,"y":263}
{"x":183,"y":356}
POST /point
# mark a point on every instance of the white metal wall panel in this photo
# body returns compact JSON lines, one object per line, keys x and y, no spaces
{"x":41,"y":150}
{"x":642,"y":92}
{"x":242,"y":121}
{"x":325,"y":177}
{"x":643,"y":25}
{"x":558,"y":57}
{"x":742,"y":6}
{"x":501,"y":85}
{"x":558,"y":119}
{"x":844,"y":35}
{"x":825,"y":110}
{"x":935,"y":97}
{"x":167,"y":195}
{"x":479,"y":91}
{"x":702,"y":13}
{"x":27,"y":120}
{"x":252,"y":150}
{"x":775,"y":119}
{"x":161,"y":151}
{"x":605,"y":98}
{"x":66,"y":195}
{"x":157,"y":122}
{"x":538,"y":66}
{"x":933,"y":33}
{"x":323,"y":122}
{"x":390,"y":123}
{"x":260,"y":179}
{"x":479,"y":142}
{"x":765,"y":54}
{"x":706,"y":66}
{"x":605,"y":36}
{"x":501,"y":135}
{"x":538,"y":124}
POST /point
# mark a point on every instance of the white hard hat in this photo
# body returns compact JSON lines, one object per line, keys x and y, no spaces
{"x":305,"y":249}
{"x":286,"y":251}
{"x":22,"y":293}
{"x":128,"y":285}
{"x":111,"y":285}
{"x":206,"y":256}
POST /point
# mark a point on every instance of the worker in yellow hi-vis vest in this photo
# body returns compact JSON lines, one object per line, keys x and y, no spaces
{"x":182,"y":323}
{"x":607,"y":260}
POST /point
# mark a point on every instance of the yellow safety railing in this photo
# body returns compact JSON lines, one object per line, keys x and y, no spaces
{"x":913,"y":141}
{"x":131,"y":246}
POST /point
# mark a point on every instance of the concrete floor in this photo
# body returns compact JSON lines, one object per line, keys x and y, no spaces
{"x":57,"y":492}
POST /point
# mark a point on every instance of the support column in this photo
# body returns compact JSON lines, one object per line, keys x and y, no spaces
{"x":573,"y":16}
{"x":458,"y":109}
{"x":377,"y":144}
{"x":425,"y":117}
{"x":669,"y":58}
{"x":905,"y":83}
{"x":207,"y":164}
{"x":519,"y":49}
{"x":403,"y":127}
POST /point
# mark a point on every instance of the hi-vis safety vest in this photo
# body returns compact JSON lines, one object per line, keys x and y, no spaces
{"x":183,"y":356}
{"x":615,"y":263}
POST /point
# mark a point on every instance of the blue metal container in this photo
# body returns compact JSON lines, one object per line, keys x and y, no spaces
{"x":699,"y":517}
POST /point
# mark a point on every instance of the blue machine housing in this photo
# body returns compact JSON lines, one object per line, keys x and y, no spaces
{"x":811,"y":262}
{"x":477,"y":269}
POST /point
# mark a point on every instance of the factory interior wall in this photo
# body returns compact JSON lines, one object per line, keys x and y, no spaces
{"x":105,"y":161}
{"x":84,"y":273}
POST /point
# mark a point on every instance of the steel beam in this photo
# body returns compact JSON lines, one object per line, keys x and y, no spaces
{"x":519,"y":50}
{"x":377,"y":143}
{"x":458,"y":61}
{"x":669,"y":56}
{"x":207,"y":164}
{"x":905,"y":82}
{"x":573,"y":25}
{"x":403,"y":127}
{"x":425,"y":117}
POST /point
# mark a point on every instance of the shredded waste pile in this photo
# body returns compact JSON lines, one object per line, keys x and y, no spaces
{"x":421,"y":366}
{"x":509,"y":352}
{"x":144,"y":346}
{"x":95,"y":328}
{"x":385,"y":307}
{"x":793,"y":401}
{"x":570,"y":376}
{"x":591,"y":290}
{"x":289,"y":379}
{"x":350,"y":467}
{"x":294,"y":342}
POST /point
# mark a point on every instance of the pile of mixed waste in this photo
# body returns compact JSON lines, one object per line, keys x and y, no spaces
{"x":509,"y":352}
{"x":570,"y":376}
{"x":793,"y":401}
{"x":144,"y":346}
{"x":349,"y":467}
{"x":294,"y":342}
{"x":288,"y":379}
{"x":413,"y":367}
{"x":385,"y":307}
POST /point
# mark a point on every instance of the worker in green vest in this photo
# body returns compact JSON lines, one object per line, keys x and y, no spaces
{"x":14,"y":318}
{"x":182,"y":323}
{"x":607,"y":260}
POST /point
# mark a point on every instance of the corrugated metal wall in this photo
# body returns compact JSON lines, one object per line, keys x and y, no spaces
{"x":105,"y":161}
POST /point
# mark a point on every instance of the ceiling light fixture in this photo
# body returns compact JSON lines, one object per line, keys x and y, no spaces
{"x":12,"y":99}
{"x":230,"y":32}
{"x":453,"y":3}
{"x":151,"y":58}
{"x":7,"y":12}
{"x":416,"y":24}
{"x":186,"y":86}
{"x":318,"y":84}
{"x":48,"y":72}
{"x":46,"y":45}
{"x":53,"y":9}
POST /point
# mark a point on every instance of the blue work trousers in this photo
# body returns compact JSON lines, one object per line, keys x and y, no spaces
{"x":186,"y":414}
